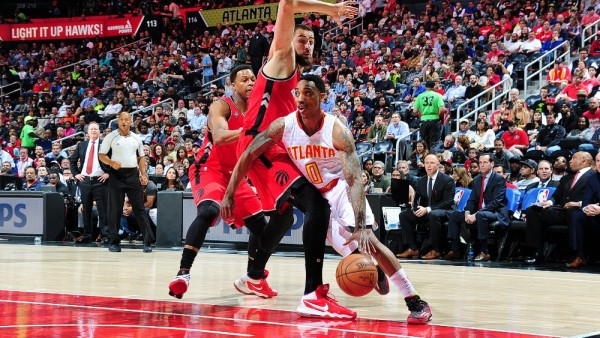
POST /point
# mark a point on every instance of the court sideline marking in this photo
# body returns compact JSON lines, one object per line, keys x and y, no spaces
{"x":199,"y":316}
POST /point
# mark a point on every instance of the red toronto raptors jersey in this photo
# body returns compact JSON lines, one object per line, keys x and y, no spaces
{"x":223,"y":157}
{"x":262,"y":108}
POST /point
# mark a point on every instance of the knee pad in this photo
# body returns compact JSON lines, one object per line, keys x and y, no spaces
{"x":208,"y":210}
{"x":206,"y":216}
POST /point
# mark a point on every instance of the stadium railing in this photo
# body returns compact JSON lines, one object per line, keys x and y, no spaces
{"x":145,"y":109}
{"x":589,"y":32}
{"x":110,"y":51}
{"x":4,"y":93}
{"x":475,"y":101}
{"x":537,"y":67}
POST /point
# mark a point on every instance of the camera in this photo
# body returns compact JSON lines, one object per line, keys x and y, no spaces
{"x":69,"y":200}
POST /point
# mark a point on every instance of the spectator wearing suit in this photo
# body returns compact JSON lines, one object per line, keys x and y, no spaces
{"x":93,"y":182}
{"x":544,"y":173}
{"x":586,"y":219}
{"x":486,"y":204}
{"x":560,"y":208}
{"x":433,"y":202}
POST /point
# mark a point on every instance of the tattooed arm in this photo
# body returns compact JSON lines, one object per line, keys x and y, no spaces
{"x":343,"y":142}
{"x":261,"y":143}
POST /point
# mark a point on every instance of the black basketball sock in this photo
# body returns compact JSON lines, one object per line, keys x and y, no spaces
{"x":252,"y":248}
{"x":257,"y":270}
{"x":187,"y":259}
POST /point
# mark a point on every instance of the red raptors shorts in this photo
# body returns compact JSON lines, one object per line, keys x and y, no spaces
{"x":212,"y":186}
{"x":271,"y":174}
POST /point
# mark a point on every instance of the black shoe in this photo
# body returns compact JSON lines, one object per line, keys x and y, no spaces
{"x":87,"y":238}
{"x":147,"y":247}
{"x":114,"y":248}
{"x":105,"y":240}
{"x":534,"y":259}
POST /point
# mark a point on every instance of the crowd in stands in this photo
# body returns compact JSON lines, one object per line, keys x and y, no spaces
{"x":373,"y":76}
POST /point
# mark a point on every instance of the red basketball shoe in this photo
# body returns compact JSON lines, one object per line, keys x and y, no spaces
{"x":179,"y":284}
{"x":320,"y":304}
{"x":259,"y":287}
{"x":420,"y":313}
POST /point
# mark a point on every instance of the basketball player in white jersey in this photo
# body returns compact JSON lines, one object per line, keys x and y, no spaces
{"x":323,"y":150}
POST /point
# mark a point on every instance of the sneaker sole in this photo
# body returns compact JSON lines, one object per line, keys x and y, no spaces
{"x":250,"y":292}
{"x":311,"y":313}
{"x":240,"y":290}
{"x":177,"y":288}
{"x":418,"y":321}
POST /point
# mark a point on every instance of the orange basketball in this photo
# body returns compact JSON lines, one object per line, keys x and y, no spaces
{"x":356,"y":275}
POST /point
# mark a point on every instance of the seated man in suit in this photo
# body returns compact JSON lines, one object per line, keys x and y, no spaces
{"x":560,"y":208}
{"x":486,"y":204}
{"x":585,"y":219}
{"x":544,"y":173}
{"x":434,"y":199}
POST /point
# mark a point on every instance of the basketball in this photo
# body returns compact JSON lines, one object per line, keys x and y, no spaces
{"x":356,"y":275}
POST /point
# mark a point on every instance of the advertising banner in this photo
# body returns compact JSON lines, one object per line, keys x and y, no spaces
{"x":22,"y":215}
{"x":52,"y":30}
{"x":243,"y":14}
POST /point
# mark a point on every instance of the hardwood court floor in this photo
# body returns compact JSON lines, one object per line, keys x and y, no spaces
{"x":464,"y":299}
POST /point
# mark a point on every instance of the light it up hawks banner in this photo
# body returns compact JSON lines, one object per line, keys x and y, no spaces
{"x":243,"y":14}
{"x":59,"y":30}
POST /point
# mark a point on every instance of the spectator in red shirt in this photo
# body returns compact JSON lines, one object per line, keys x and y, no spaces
{"x":515,"y":139}
{"x":492,"y":55}
{"x":593,"y":114}
{"x":595,"y":47}
{"x":486,"y":29}
{"x":569,"y":93}
{"x":41,"y":86}
{"x":590,"y":17}
{"x":543,"y":32}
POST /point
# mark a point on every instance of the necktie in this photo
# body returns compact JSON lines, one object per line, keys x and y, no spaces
{"x":429,"y":190}
{"x":542,"y":185}
{"x":481,"y":192}
{"x":90,"y":159}
{"x":574,"y":179}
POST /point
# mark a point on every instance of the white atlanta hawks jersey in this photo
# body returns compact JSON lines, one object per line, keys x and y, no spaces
{"x":314,"y":155}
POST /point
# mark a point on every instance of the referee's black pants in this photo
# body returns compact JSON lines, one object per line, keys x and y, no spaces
{"x":121,"y":182}
{"x":431,"y":132}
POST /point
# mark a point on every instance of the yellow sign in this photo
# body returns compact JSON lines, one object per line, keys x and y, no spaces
{"x":243,"y":14}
